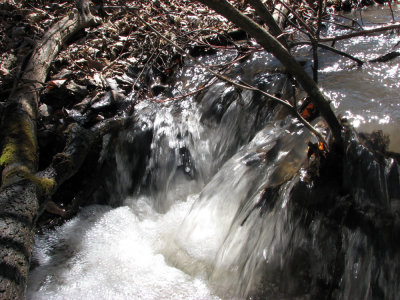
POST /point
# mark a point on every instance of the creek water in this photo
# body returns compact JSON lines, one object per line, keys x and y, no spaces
{"x":185,"y":219}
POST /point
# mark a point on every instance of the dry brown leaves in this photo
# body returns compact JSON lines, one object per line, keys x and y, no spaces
{"x":107,"y":51}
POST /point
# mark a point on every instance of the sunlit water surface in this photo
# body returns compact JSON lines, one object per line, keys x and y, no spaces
{"x":368,"y":96}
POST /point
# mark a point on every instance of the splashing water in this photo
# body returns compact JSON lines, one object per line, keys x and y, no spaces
{"x":203,"y":189}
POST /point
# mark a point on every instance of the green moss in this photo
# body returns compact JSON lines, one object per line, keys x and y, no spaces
{"x":19,"y":142}
{"x":44,"y":185}
{"x":19,"y":152}
{"x":9,"y":154}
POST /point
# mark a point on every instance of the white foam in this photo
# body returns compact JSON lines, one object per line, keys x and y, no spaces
{"x":107,"y":253}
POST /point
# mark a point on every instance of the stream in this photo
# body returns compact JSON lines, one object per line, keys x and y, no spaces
{"x":201,"y":202}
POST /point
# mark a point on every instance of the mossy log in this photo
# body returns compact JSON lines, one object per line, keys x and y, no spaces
{"x":22,"y":189}
{"x":19,"y":141}
{"x":24,"y":200}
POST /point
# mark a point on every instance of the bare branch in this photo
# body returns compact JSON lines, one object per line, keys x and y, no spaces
{"x":265,"y":14}
{"x":271,"y":44}
{"x":386,"y":57}
{"x":334,"y":50}
{"x":360,"y":33}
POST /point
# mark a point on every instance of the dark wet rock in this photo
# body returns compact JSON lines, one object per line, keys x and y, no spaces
{"x":65,"y":95}
{"x":133,"y":147}
{"x":185,"y":163}
{"x":364,"y":175}
{"x":75,"y":116}
{"x":84,"y":104}
{"x":393,"y":182}
{"x":108,"y":103}
{"x":76,"y":89}
{"x":349,"y":233}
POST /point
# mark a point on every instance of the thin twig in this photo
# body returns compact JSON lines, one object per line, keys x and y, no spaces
{"x":315,"y":39}
{"x":184,"y":95}
{"x":350,"y":27}
{"x":218,"y":75}
{"x":321,"y":4}
{"x":354,"y":21}
{"x":334,"y":50}
{"x":391,"y":11}
{"x":360,"y":33}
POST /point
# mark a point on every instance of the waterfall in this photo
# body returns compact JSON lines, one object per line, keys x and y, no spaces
{"x":167,"y":167}
{"x":210,"y":199}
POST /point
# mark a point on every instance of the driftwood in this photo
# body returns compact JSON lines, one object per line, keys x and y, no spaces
{"x":22,"y":191}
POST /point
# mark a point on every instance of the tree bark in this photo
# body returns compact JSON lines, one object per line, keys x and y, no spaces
{"x":272,"y":24}
{"x":280,"y":13}
{"x":19,"y":142}
{"x":22,"y":189}
{"x":271,"y":44}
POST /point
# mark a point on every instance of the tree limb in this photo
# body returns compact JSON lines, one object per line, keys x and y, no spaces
{"x":272,"y":45}
{"x":265,"y":14}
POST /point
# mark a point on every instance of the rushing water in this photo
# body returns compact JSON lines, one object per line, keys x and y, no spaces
{"x":201,"y":195}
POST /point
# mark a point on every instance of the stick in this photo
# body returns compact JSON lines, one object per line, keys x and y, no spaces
{"x":334,"y":50}
{"x":360,"y":33}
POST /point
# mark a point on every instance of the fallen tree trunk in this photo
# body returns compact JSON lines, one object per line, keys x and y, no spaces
{"x":19,"y":142}
{"x":22,"y":189}
{"x":22,"y":201}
